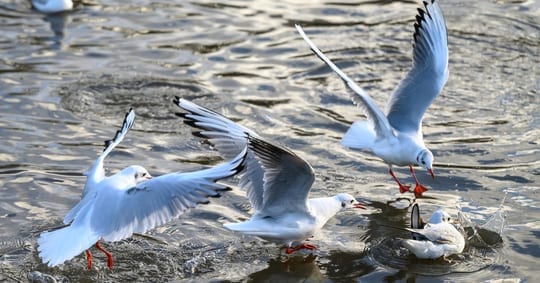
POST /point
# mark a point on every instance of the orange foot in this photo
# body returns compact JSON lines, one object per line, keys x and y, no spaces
{"x":419,"y":190}
{"x":404,"y":188}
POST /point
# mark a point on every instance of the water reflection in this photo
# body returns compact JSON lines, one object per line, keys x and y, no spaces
{"x":58,"y":22}
{"x":293,"y":269}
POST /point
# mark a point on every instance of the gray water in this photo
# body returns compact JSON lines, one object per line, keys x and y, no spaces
{"x":67,"y":80}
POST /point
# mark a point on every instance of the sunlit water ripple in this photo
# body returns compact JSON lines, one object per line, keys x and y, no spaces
{"x":66,"y":81}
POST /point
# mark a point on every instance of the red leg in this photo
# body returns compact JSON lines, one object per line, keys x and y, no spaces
{"x":402,"y":188}
{"x":290,"y":250}
{"x":108,"y":254}
{"x":307,"y":247}
{"x":89,"y":259}
{"x":418,"y":189}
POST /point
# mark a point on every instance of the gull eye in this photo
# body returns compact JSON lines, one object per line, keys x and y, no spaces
{"x":351,"y":201}
{"x":144,"y":174}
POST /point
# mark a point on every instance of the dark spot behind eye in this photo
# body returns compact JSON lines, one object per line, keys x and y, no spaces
{"x":342,"y":204}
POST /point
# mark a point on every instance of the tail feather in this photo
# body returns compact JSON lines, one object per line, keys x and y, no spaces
{"x":60,"y":245}
{"x":360,"y":135}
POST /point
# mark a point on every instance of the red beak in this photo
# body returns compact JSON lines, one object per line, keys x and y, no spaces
{"x":359,"y":205}
{"x":431,"y":173}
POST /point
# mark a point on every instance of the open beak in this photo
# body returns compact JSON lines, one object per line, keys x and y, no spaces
{"x":359,"y":205}
{"x":431,"y":173}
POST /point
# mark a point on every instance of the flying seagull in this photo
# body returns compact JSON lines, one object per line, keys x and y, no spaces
{"x":277,"y":182}
{"x":396,"y":134}
{"x":114,"y":207}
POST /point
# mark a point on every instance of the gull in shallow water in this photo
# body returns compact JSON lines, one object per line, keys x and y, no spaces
{"x":52,"y":6}
{"x":434,"y":239}
{"x":396,"y":136}
{"x":114,"y":207}
{"x":277,"y":182}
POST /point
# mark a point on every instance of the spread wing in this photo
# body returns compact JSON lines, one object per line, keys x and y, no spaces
{"x":159,"y":200}
{"x":229,"y":138}
{"x":287,"y":178}
{"x":96,"y":172}
{"x":360,"y":97}
{"x":429,"y":72}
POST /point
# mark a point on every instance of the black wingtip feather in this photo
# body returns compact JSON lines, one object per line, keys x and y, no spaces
{"x":107,"y":143}
{"x":176,"y":100}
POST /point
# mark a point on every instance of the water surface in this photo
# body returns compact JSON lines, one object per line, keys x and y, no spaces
{"x":67,"y":80}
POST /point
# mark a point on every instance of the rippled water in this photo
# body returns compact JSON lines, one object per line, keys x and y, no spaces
{"x":67,"y":80}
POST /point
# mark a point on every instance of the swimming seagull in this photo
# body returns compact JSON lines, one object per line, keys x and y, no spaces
{"x":52,"y":6}
{"x":277,"y":182}
{"x":436,"y":238}
{"x":114,"y":207}
{"x":397,"y":136}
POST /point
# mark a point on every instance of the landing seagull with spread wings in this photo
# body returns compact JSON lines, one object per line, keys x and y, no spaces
{"x":396,"y":136}
{"x":277,"y":182}
{"x":114,"y":207}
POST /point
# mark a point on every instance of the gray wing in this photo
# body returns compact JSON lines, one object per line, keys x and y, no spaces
{"x":287,"y":178}
{"x":228,"y":138}
{"x":424,"y":82}
{"x":161,"y":199}
{"x":361,"y":98}
{"x":443,"y":233}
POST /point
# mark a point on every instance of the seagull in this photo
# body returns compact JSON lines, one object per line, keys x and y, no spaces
{"x":396,"y":137}
{"x":52,"y":6}
{"x":437,"y":238}
{"x":114,"y":207}
{"x":277,"y":182}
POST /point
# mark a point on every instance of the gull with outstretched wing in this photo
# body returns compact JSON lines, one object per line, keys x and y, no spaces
{"x":114,"y":207}
{"x":277,"y":182}
{"x":396,"y":134}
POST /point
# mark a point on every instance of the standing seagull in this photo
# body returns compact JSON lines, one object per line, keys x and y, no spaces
{"x":277,"y":182}
{"x":130,"y":201}
{"x":437,"y":238}
{"x":397,"y":136}
{"x":52,"y":6}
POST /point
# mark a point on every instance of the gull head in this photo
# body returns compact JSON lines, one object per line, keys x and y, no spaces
{"x":136,"y":173}
{"x":425,"y":159}
{"x":440,"y":216}
{"x":348,"y":201}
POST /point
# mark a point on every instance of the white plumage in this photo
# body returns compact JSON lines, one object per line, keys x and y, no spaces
{"x":396,"y":134}
{"x":434,"y":239}
{"x":114,"y":207}
{"x":277,"y":182}
{"x":52,"y":6}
